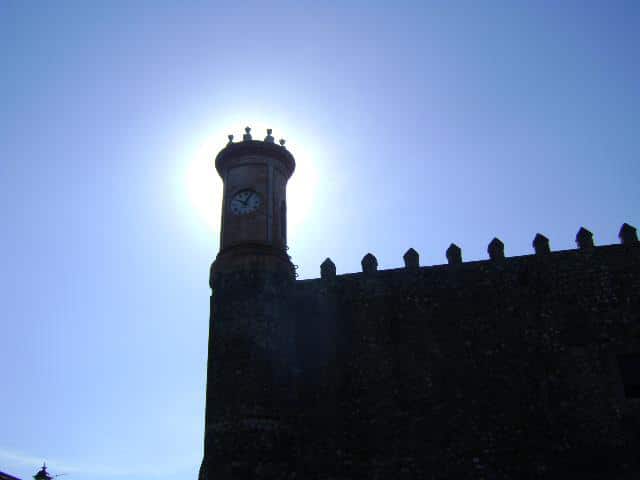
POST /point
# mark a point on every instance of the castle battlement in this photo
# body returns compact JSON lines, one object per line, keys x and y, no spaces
{"x":584,"y":240}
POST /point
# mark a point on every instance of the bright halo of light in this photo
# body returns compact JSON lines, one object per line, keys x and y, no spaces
{"x":204,"y":187}
{"x":301,"y":189}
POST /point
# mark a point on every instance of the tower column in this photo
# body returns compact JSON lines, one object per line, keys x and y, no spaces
{"x":250,"y":387}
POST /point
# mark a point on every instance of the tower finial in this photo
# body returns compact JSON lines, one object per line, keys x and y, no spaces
{"x":247,"y":136}
{"x":282,"y":142}
{"x":230,"y":137}
{"x":269,"y":137}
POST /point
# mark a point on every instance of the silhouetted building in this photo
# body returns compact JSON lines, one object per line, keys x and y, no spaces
{"x":41,"y":475}
{"x":522,"y":367}
{"x":6,"y":476}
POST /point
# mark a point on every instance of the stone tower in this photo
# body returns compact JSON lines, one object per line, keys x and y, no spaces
{"x":251,"y":339}
{"x":254,"y":214}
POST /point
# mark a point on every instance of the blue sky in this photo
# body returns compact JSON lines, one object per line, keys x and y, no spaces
{"x":414,"y":124}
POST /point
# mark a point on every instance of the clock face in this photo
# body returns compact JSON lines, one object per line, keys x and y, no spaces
{"x":245,"y":201}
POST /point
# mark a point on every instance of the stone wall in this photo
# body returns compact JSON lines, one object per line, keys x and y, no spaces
{"x":504,"y":368}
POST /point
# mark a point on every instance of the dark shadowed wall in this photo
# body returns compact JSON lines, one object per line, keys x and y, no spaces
{"x":508,"y":368}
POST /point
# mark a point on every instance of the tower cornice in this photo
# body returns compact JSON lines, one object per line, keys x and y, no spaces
{"x":254,"y":147}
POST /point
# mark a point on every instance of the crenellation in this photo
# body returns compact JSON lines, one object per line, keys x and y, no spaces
{"x":327,"y":269}
{"x":541,"y":244}
{"x":584,"y":239}
{"x":628,"y":234}
{"x":411,"y":259}
{"x":496,"y":249}
{"x":454,"y":254}
{"x":511,"y":269}
{"x":369,"y":263}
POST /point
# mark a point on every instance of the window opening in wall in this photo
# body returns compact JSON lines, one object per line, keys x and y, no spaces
{"x":629,"y":366}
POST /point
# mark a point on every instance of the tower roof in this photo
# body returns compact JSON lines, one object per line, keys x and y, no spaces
{"x":248,"y":146}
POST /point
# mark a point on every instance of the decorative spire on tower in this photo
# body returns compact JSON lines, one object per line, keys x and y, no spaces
{"x":247,"y":136}
{"x":269,"y":138}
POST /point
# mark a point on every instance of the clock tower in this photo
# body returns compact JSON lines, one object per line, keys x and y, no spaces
{"x":253,"y":232}
{"x":252,"y":353}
